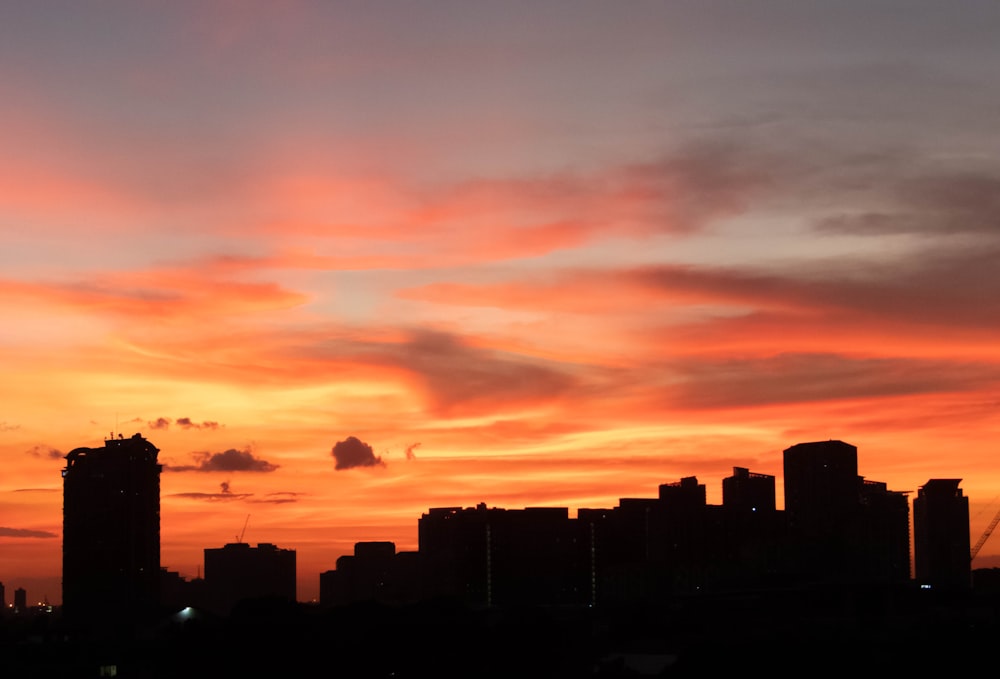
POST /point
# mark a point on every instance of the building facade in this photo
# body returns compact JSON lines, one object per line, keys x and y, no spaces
{"x":238,"y":573}
{"x":941,"y":551}
{"x":111,"y":530}
{"x":841,"y":527}
{"x":487,"y":556}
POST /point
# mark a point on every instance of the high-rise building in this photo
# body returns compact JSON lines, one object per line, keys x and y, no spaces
{"x":840,"y":526}
{"x":238,"y":572}
{"x":884,"y":533}
{"x":822,"y":507}
{"x":821,"y":480}
{"x":375,"y":572}
{"x":941,"y":552}
{"x":111,"y":530}
{"x":754,"y":535}
{"x":498,"y":557}
{"x":746,"y":491}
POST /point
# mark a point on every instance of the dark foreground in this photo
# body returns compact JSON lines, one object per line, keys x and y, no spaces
{"x":781,"y":633}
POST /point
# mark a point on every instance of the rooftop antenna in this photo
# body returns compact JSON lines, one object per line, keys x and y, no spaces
{"x":239,"y":538}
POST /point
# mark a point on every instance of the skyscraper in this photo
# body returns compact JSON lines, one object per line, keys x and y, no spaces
{"x":111,"y":530}
{"x":821,"y":483}
{"x":842,"y":527}
{"x":941,"y":551}
{"x":822,"y":505}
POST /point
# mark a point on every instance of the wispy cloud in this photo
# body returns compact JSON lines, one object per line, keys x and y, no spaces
{"x":279,"y":498}
{"x":224,"y":495}
{"x":26,"y":533}
{"x":46,"y":452}
{"x":182,"y":422}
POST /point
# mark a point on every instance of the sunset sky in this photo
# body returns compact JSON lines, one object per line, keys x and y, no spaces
{"x":343,"y":262}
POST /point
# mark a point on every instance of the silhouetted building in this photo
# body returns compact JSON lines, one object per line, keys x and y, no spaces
{"x":363,"y":576}
{"x":111,"y":530}
{"x":755,"y":539}
{"x":684,"y":536}
{"x":838,"y":528}
{"x":822,"y":507}
{"x":746,"y":491}
{"x":374,"y":573}
{"x":652,"y":549}
{"x":884,"y":533}
{"x":842,"y":528}
{"x":20,"y":600}
{"x":499,"y":557}
{"x":684,"y":495}
{"x":821,"y":483}
{"x":178,"y":592}
{"x":238,"y":572}
{"x":941,"y":535}
{"x":539,"y":557}
{"x":3,"y":599}
{"x":621,"y":566}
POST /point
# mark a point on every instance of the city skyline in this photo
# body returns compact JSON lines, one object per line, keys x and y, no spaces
{"x":310,"y":581}
{"x":344,"y":262}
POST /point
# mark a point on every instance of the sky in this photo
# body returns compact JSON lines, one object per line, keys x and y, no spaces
{"x":343,"y":262}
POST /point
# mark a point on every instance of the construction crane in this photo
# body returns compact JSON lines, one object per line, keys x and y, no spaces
{"x":985,"y":536}
{"x":239,"y":538}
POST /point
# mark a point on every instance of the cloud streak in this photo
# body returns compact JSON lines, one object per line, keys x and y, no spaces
{"x":26,"y":533}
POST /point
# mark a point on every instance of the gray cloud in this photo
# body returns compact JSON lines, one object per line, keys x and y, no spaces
{"x":224,"y":495}
{"x":934,"y":202}
{"x":182,"y":422}
{"x":46,"y":452}
{"x":231,"y":460}
{"x":797,"y":378}
{"x":187,"y":423}
{"x":460,"y":378}
{"x":159,"y":423}
{"x":946,"y":287}
{"x":353,"y":452}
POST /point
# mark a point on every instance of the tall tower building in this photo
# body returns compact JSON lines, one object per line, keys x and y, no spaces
{"x":822,"y":508}
{"x":754,"y":534}
{"x":821,"y":480}
{"x":111,"y":530}
{"x":842,"y":527}
{"x":941,"y":551}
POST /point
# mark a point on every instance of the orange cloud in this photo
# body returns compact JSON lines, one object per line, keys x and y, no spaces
{"x":160,"y":295}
